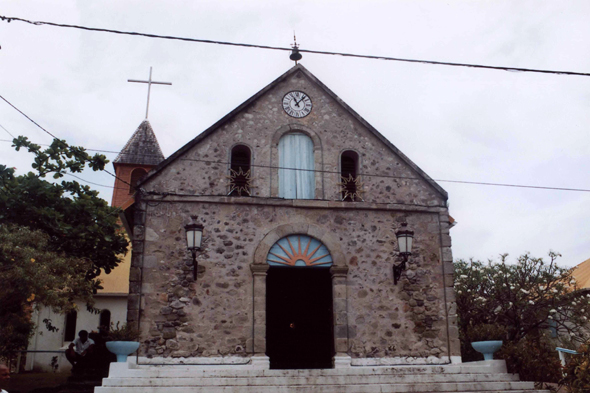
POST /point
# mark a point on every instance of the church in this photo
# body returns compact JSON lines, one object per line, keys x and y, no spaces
{"x":301,"y":203}
{"x":290,"y":247}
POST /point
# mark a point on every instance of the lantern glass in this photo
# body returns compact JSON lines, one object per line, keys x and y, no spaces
{"x":409,"y":240}
{"x":404,"y":240}
{"x":194,"y":236}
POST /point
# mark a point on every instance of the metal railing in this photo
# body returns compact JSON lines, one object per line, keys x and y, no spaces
{"x":562,"y":352}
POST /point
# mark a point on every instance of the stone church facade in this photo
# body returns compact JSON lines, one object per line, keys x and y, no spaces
{"x":296,"y":265}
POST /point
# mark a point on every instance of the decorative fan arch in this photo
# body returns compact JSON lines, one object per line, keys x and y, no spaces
{"x":299,"y":250}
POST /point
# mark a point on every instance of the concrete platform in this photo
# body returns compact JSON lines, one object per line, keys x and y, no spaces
{"x":487,"y":376}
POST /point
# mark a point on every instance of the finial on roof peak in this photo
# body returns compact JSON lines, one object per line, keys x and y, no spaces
{"x":295,"y":55}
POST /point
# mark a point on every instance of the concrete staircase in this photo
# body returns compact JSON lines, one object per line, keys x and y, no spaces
{"x":487,"y":376}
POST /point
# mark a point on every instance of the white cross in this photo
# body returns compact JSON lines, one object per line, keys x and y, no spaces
{"x":150,"y":82}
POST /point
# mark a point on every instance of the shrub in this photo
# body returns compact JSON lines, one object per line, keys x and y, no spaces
{"x":486,"y":332}
{"x":527,"y":300}
{"x":534,"y":359}
{"x":576,"y":374}
{"x":123,"y":333}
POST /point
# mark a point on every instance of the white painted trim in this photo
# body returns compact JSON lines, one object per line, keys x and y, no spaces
{"x":198,"y":361}
{"x":342,"y":361}
{"x":255,"y":362}
{"x":261,"y":362}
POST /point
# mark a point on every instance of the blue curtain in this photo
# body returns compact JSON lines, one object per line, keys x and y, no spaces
{"x":296,"y":151}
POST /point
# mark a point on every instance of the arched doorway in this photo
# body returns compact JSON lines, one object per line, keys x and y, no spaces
{"x":299,"y":312}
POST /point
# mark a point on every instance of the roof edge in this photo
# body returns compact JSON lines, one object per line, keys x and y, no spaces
{"x":217,"y":124}
{"x":133,"y":142}
{"x":380,"y":136}
{"x":271,"y":85}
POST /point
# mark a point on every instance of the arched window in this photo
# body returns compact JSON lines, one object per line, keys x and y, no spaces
{"x":239,"y":171}
{"x":136,"y":174}
{"x":296,"y":167}
{"x":105,"y":320}
{"x":70,"y":329}
{"x":299,"y":251}
{"x":349,"y":181}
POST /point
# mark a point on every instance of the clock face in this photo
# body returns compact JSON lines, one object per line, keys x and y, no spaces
{"x":297,"y":104}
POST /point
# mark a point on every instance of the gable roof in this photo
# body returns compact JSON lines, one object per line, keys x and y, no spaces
{"x":581,"y":273}
{"x":142,"y":148}
{"x":281,"y":78}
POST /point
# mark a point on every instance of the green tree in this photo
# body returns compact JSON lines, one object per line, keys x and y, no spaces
{"x":34,"y":277}
{"x":77,"y":221}
{"x":529,"y":301}
{"x":70,"y":233}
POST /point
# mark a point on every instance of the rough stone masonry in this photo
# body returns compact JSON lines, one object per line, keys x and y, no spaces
{"x":224,"y":313}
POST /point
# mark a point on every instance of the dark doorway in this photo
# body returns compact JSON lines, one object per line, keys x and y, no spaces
{"x":299,"y":328}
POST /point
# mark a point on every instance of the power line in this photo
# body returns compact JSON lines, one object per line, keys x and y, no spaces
{"x":54,"y":137}
{"x":360,"y":174}
{"x":89,"y":182}
{"x":403,"y":177}
{"x":372,"y":57}
{"x":6,"y":130}
{"x":71,"y":174}
{"x":397,"y":177}
{"x":33,"y":121}
{"x":513,"y":185}
{"x":96,"y":150}
{"x":167,"y":194}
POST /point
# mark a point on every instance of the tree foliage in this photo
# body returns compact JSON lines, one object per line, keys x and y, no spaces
{"x":529,"y":301}
{"x":33,"y":277}
{"x":576,"y":375}
{"x":524,"y":298}
{"x":55,"y":238}
{"x":76,"y":220}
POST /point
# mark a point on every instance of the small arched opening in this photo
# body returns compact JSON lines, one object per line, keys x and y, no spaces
{"x":239,"y":171}
{"x":70,"y":328}
{"x":349,"y":179}
{"x":136,"y":175}
{"x":105,"y":320}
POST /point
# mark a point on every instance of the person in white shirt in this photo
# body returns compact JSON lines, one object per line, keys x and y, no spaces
{"x":80,"y":350}
{"x":4,"y":377}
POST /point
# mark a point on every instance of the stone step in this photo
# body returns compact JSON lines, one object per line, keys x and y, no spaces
{"x":308,"y":380}
{"x":523,"y":387}
{"x":487,"y":376}
{"x":196,"y":371}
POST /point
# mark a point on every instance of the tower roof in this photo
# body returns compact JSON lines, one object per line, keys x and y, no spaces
{"x":142,"y":148}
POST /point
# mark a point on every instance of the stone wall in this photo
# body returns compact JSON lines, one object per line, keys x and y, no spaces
{"x":203,"y":169}
{"x":223,"y":313}
{"x":214,"y":316}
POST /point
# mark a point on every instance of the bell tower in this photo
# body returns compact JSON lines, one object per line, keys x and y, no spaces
{"x":141,"y":153}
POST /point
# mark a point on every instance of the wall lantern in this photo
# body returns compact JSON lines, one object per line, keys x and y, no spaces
{"x":404,"y":242}
{"x":194,"y":236}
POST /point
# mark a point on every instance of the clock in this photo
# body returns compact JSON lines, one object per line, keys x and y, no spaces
{"x":297,"y":104}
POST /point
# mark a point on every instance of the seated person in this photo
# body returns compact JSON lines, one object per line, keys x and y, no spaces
{"x":80,"y":350}
{"x":4,"y":377}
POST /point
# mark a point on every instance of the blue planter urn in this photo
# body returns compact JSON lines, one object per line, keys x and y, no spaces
{"x":122,"y":349}
{"x":487,"y":348}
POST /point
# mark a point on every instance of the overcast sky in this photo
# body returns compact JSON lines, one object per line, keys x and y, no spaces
{"x":454,"y":123}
